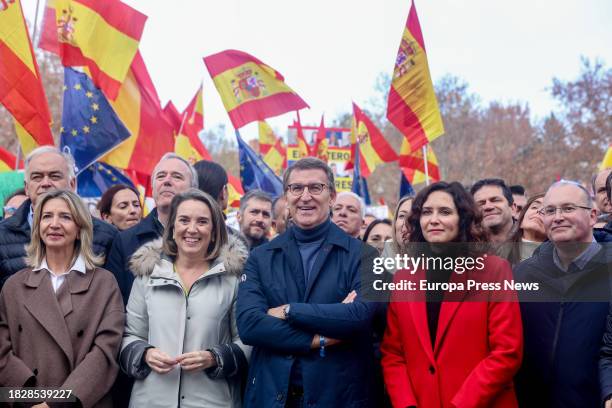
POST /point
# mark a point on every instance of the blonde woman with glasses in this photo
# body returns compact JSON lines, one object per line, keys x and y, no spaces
{"x":61,"y":318}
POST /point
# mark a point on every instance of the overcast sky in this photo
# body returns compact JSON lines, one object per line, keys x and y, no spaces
{"x":331,"y":51}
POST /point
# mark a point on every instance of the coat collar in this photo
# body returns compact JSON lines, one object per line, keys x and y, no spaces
{"x":149,"y":224}
{"x":77,"y":282}
{"x":335,"y":237}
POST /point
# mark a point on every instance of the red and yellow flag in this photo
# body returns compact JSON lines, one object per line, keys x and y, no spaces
{"x":303,"y":148}
{"x":100,"y":35}
{"x":250,"y":90}
{"x":7,"y":159}
{"x":607,"y":160}
{"x":21,"y":90}
{"x":412,"y":161}
{"x":373,"y":147}
{"x":235,"y":191}
{"x":272,"y":148}
{"x":412,"y":106}
{"x":173,"y":116}
{"x":321,"y":144}
{"x":138,"y":107}
{"x":187,"y":143}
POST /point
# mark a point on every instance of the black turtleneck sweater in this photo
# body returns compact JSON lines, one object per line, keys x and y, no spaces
{"x":309,"y":241}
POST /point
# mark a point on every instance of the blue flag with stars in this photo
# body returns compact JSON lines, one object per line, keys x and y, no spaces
{"x":360,"y":185}
{"x":254,"y":173}
{"x":90,"y":128}
{"x":97,"y":178}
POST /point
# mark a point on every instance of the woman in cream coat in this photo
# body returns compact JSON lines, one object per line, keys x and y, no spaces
{"x":181,"y":343}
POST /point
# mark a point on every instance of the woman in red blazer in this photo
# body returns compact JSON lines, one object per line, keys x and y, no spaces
{"x":451,"y":349}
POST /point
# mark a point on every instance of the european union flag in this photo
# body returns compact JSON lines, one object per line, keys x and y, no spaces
{"x":97,"y":178}
{"x":406,"y":188}
{"x":90,"y":127}
{"x":254,"y":173}
{"x":360,"y":185}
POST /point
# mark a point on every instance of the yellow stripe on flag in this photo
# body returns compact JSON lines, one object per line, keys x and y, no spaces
{"x":127,"y":107}
{"x":228,"y":84}
{"x":607,"y":160}
{"x":183,"y":147}
{"x":26,"y":140}
{"x":111,"y":49}
{"x":13,"y":32}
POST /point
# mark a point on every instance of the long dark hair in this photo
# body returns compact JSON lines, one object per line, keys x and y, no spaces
{"x":470,"y":218}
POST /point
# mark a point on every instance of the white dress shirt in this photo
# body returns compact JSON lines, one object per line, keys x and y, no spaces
{"x":57,"y":278}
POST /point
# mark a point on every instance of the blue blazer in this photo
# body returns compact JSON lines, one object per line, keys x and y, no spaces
{"x":273,"y":276}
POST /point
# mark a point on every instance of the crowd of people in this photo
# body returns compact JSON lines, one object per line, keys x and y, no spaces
{"x":180,"y":309}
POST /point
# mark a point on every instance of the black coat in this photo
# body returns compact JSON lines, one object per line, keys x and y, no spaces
{"x":15,"y":235}
{"x":563,"y":335}
{"x":124,"y":246}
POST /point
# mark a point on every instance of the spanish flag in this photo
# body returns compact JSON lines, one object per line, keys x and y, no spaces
{"x":271,"y":148}
{"x":187,"y":143}
{"x":320,"y":148}
{"x":303,"y":148}
{"x":21,"y":90}
{"x":373,"y":148}
{"x":100,"y":35}
{"x":235,"y":191}
{"x":412,"y":106}
{"x":173,"y":116}
{"x":607,"y":160}
{"x":250,"y":90}
{"x":7,"y":159}
{"x":412,"y":161}
{"x":138,"y":107}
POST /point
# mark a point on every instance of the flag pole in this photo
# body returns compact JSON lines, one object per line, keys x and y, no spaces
{"x":35,"y":24}
{"x":426,"y":165}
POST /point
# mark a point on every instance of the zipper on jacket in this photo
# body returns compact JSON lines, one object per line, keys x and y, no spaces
{"x":553,"y":350}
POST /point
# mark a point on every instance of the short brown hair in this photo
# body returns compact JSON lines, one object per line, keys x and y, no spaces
{"x":219,"y":231}
{"x":36,"y":249}
{"x":106,"y":201}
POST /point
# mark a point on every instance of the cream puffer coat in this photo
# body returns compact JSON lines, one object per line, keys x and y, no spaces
{"x":160,"y":314}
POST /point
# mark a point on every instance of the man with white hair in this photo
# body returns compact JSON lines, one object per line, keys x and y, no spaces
{"x":172,"y":175}
{"x":348,"y":213}
{"x":46,"y":168}
{"x":564,"y":318}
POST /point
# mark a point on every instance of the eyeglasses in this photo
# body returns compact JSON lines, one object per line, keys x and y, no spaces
{"x":313,"y":188}
{"x":9,"y":210}
{"x":565,"y":209}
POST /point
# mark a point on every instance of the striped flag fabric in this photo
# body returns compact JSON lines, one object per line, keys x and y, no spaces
{"x":412,"y":106}
{"x":250,"y":90}
{"x":138,"y":107}
{"x":100,"y":35}
{"x":412,"y":162}
{"x":303,"y":148}
{"x":406,"y":188}
{"x":8,"y":161}
{"x":235,"y":191}
{"x":272,"y":148}
{"x":373,"y":147}
{"x":187,"y":143}
{"x":321,"y":144}
{"x":173,"y":116}
{"x":21,"y":90}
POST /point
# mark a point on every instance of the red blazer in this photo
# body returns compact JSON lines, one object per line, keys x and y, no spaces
{"x":478,"y":348}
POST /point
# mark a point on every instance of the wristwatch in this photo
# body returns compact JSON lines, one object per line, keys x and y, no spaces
{"x":286,"y":312}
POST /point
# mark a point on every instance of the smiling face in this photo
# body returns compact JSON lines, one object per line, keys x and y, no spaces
{"x":439,"y":218}
{"x":308,"y":210}
{"x":192,"y":229}
{"x":125,"y":210}
{"x":347,"y":214}
{"x":496,"y":211}
{"x":57,"y":227}
{"x":171,"y":177}
{"x":573,"y":227}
